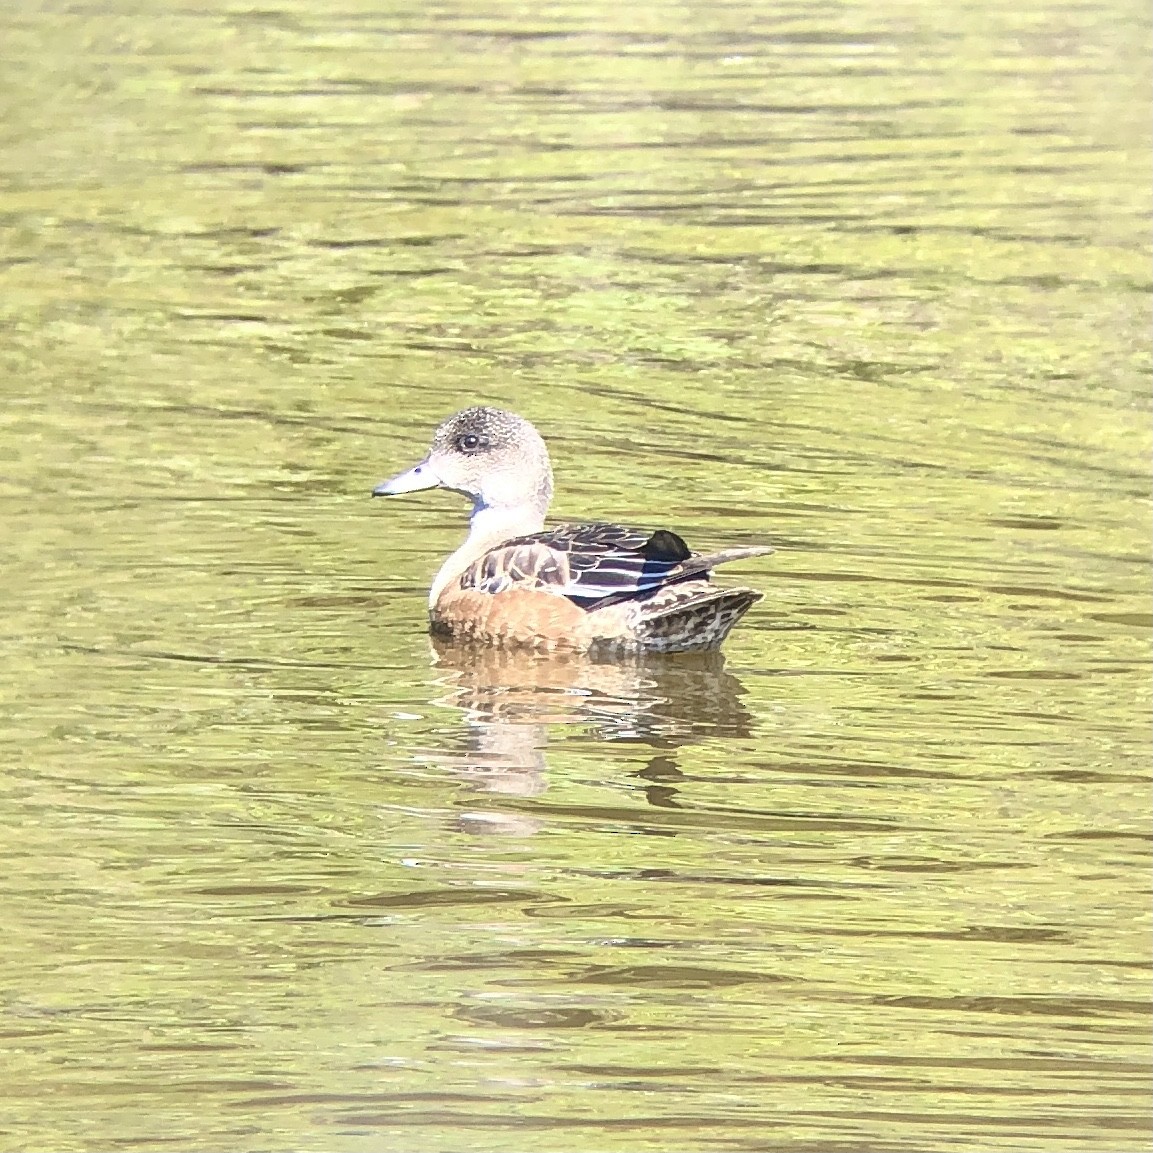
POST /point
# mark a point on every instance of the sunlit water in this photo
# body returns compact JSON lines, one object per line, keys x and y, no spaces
{"x":865,"y":282}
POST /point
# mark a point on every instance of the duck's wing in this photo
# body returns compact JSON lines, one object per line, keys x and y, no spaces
{"x":593,"y":564}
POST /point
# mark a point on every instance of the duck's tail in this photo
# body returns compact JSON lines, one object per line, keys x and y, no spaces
{"x":706,"y":562}
{"x":693,"y":616}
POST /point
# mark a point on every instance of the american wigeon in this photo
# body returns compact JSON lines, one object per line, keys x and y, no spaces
{"x":576,"y":586}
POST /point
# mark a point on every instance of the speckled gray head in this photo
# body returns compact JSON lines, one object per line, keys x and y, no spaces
{"x":495,"y":458}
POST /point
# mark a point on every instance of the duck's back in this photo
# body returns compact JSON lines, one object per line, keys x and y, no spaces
{"x":595,"y":585}
{"x":592,"y":565}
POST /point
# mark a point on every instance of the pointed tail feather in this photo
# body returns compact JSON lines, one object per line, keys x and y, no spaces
{"x":706,"y":562}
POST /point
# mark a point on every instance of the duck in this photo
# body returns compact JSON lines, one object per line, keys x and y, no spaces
{"x":592,"y":587}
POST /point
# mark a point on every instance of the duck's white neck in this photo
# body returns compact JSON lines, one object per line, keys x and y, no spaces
{"x":488,"y":527}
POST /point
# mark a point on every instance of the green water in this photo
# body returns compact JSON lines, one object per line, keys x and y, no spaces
{"x":865,"y":282}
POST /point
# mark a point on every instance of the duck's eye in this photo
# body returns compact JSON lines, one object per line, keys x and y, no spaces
{"x":470,"y":442}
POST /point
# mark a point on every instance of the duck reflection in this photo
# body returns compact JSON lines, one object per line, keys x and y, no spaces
{"x":510,"y":699}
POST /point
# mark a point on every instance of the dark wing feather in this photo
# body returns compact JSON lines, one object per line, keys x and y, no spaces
{"x":591,"y":564}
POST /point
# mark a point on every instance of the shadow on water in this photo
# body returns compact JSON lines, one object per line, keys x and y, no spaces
{"x":509,"y":699}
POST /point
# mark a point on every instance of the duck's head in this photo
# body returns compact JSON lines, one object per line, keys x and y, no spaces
{"x":495,"y":458}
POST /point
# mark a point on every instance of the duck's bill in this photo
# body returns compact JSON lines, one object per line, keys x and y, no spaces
{"x":418,"y":477}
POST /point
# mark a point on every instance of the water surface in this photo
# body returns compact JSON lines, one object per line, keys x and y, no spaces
{"x":868,"y":283}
